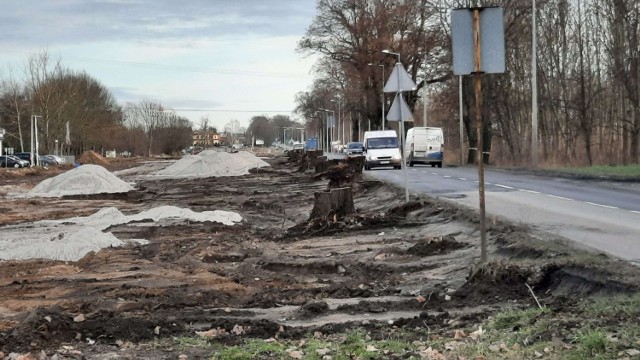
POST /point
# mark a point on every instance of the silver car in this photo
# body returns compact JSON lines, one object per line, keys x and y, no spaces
{"x":354,"y":148}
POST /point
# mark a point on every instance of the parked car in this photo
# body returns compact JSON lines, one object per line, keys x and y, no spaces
{"x":353,"y":148}
{"x":11,"y":161}
{"x":51,"y":160}
{"x":44,"y":160}
{"x":24,"y":156}
{"x":23,"y":163}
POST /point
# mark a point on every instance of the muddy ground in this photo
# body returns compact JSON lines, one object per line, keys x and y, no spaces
{"x":278,"y":273}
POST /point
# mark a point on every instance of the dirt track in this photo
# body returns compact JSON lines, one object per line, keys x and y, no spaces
{"x":278,"y":273}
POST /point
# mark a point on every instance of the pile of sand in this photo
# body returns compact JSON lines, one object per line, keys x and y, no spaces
{"x":83,"y":180}
{"x":71,"y":239}
{"x":212,"y":163}
{"x":91,"y":157}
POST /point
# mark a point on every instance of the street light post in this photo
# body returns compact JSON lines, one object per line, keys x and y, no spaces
{"x":339,"y":120}
{"x":34,"y":140}
{"x":327,"y":111}
{"x":402,"y":153}
{"x":534,"y":89}
{"x":425,"y":101}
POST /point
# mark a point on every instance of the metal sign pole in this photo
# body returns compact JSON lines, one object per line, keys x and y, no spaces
{"x":480,"y":145}
{"x":461,"y":121}
{"x":402,"y":157}
{"x":402,"y":144}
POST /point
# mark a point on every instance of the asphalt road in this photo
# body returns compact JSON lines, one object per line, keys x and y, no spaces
{"x":599,"y":215}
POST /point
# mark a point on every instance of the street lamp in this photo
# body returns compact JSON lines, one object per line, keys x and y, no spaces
{"x":339,"y":120}
{"x":34,"y":140}
{"x":382,"y":93}
{"x":327,"y":111}
{"x":389,"y":52}
{"x":302,"y":130}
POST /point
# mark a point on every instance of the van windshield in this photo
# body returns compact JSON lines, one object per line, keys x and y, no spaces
{"x":382,"y":143}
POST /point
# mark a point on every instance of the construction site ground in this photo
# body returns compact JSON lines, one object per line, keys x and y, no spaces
{"x":280,"y":274}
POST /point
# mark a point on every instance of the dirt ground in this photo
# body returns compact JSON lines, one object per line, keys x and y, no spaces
{"x":278,"y":273}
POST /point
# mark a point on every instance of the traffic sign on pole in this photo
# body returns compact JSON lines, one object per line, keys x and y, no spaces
{"x":491,"y":36}
{"x":399,"y":80}
{"x":395,"y":114}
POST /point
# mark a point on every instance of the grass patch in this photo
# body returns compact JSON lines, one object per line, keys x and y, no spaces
{"x":511,"y":319}
{"x":606,"y":327}
{"x":252,"y":349}
{"x":621,"y":305}
{"x":630,"y":171}
{"x":591,"y":342}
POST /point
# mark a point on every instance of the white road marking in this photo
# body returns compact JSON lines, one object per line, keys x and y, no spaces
{"x":504,"y":186}
{"x":529,"y":191}
{"x":434,"y":173}
{"x":559,"y":197}
{"x":635,"y":212}
{"x":446,"y":176}
{"x":600,"y":205}
{"x":463,"y":179}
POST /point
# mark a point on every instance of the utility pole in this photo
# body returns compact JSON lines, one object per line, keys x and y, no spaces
{"x":534,"y":90}
{"x":425,"y":102}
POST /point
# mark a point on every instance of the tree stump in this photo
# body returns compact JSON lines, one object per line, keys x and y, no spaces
{"x":333,"y":203}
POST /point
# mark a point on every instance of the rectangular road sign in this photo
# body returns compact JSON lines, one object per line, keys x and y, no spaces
{"x":491,"y":40}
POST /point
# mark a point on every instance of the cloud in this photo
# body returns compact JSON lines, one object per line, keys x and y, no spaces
{"x":73,"y":21}
{"x":234,"y":57}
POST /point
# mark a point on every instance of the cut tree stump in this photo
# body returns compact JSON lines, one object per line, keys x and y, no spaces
{"x":333,"y":203}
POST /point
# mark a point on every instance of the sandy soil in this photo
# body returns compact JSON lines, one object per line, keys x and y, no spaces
{"x":278,"y":273}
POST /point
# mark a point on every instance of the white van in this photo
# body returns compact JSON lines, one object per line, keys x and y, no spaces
{"x":381,"y":148}
{"x":425,"y":145}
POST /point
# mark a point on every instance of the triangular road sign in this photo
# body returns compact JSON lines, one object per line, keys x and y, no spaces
{"x":399,"y":80}
{"x":394,"y":113}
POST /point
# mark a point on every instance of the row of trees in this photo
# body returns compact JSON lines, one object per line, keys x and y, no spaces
{"x":273,"y":128}
{"x":588,"y":54}
{"x":79,"y":113}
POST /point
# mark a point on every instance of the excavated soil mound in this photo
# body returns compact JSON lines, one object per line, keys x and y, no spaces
{"x":578,"y":280}
{"x":436,"y":246}
{"x":495,"y":280}
{"x":91,"y":157}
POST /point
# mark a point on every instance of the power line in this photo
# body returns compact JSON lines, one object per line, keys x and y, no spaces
{"x":227,"y":110}
{"x":149,"y":66}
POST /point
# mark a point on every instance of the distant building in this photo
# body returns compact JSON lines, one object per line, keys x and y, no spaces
{"x":208,"y":138}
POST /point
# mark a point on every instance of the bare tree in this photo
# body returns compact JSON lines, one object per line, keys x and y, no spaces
{"x":148,"y":116}
{"x":14,"y":107}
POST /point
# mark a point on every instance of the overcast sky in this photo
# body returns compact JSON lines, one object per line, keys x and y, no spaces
{"x":223,"y":59}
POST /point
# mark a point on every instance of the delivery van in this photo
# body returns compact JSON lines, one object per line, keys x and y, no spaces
{"x":425,"y":145}
{"x":381,"y":148}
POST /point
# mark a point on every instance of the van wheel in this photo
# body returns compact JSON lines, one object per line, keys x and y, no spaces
{"x":367,"y":167}
{"x":397,"y":167}
{"x":440,"y":164}
{"x":433,"y":164}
